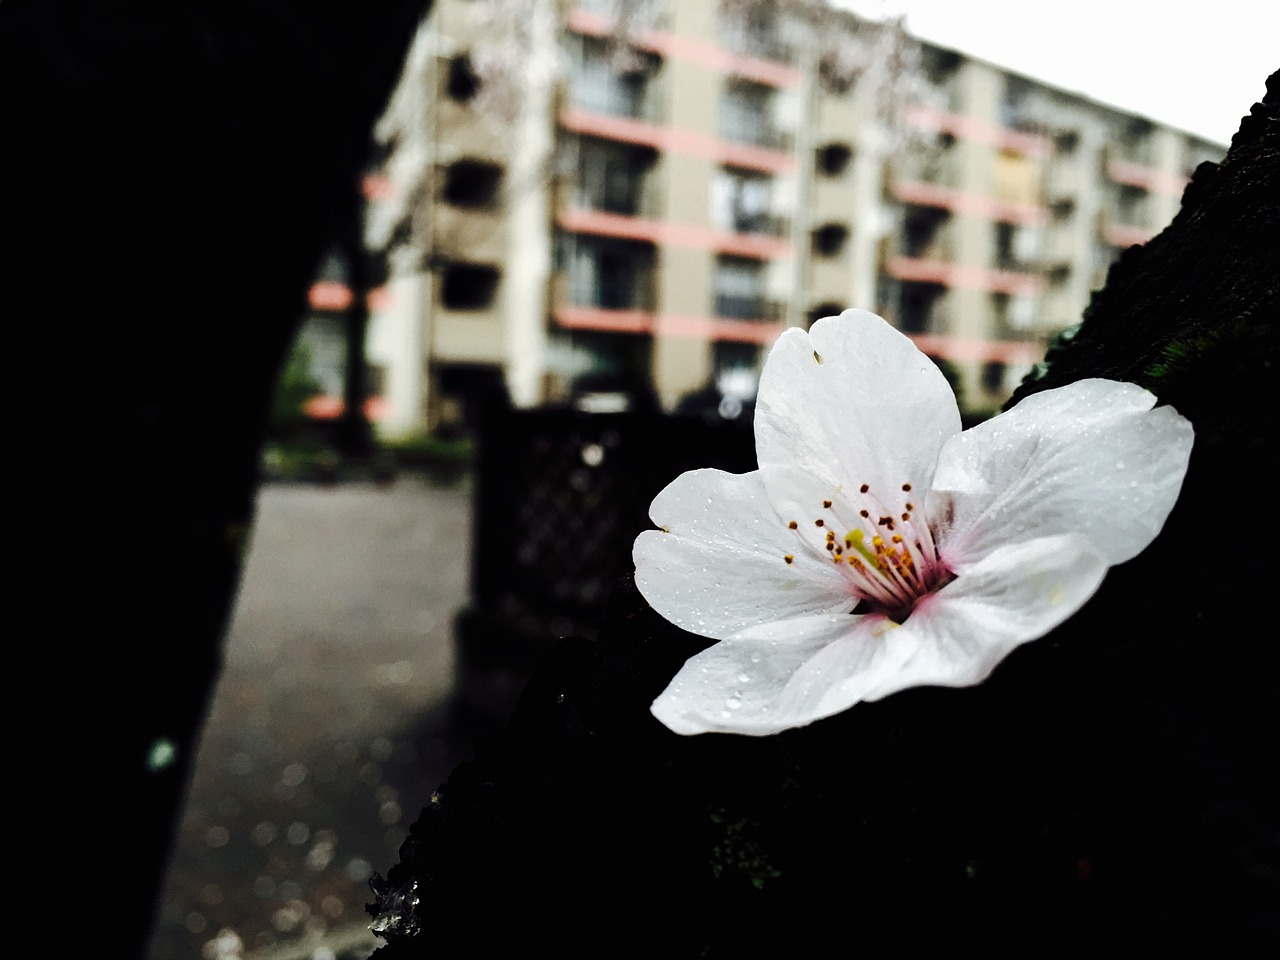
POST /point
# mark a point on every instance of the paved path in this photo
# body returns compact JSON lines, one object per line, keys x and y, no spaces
{"x":329,"y":726}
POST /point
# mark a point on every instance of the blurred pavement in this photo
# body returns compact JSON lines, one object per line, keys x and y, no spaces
{"x":330,"y":725}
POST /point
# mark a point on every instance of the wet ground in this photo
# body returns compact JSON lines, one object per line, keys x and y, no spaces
{"x":330,"y":725}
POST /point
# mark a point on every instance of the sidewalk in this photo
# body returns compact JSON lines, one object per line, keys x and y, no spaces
{"x":329,"y":727}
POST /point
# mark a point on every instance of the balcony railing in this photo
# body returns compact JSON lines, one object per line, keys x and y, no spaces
{"x":615,"y":96}
{"x":739,"y":307}
{"x":767,"y":224}
{"x":760,"y":134}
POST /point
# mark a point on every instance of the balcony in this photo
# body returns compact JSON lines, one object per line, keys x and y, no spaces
{"x":747,"y":307}
{"x":1120,"y":167}
{"x":746,"y":116}
{"x":754,"y":32}
{"x":611,"y":177}
{"x":929,"y":181}
{"x":977,"y":130}
{"x":600,"y":84}
{"x":608,"y":274}
{"x":739,"y":286}
{"x":741,"y":202}
{"x":1119,"y":233}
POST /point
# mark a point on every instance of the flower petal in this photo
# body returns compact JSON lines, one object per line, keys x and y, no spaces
{"x":781,"y":675}
{"x":1091,"y":459}
{"x":873,"y":410}
{"x":717,"y":567}
{"x":1014,"y":595}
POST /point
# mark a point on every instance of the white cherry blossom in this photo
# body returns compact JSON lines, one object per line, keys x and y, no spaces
{"x":878,"y":547}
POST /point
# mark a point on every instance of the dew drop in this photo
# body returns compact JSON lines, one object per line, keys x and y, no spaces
{"x":755,"y":658}
{"x":733,"y":703}
{"x":743,"y":678}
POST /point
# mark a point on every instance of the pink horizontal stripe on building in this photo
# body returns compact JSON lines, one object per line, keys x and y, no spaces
{"x":1148,"y":178}
{"x":329,"y":295}
{"x":667,"y":324}
{"x":674,"y":46}
{"x":327,"y":407}
{"x":375,"y":186}
{"x":600,"y":223}
{"x":627,"y":130}
{"x":962,"y":201}
{"x":609,"y":321}
{"x":981,"y":131}
{"x":718,"y":328}
{"x":956,"y":275}
{"x":752,"y":331}
{"x":962,"y":348}
{"x":1124,"y":235}
{"x":333,"y":295}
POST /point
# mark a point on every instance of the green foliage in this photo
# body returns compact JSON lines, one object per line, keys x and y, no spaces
{"x":738,"y":851}
{"x":430,"y":449}
{"x":295,"y":387}
{"x":1178,"y":356}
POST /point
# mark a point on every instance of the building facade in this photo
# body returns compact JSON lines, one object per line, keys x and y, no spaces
{"x":651,"y":213}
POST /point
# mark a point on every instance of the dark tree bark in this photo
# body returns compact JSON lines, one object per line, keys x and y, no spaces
{"x":173,"y":172}
{"x":1114,"y":779}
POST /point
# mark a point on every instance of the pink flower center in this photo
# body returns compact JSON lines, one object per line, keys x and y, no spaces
{"x":882,"y":545}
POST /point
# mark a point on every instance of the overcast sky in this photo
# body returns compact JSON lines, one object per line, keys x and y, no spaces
{"x":1198,"y":66}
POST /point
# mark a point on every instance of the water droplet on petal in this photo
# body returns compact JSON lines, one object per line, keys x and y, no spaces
{"x":733,"y":703}
{"x":743,"y":678}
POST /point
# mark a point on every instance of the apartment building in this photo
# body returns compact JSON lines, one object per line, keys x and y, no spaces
{"x":650,"y":214}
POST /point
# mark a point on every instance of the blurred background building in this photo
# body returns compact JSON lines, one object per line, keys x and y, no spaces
{"x":617,"y":202}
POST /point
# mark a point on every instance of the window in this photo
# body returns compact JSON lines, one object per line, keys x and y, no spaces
{"x":920,"y":228}
{"x":462,"y":83}
{"x":828,"y":309}
{"x":740,"y":202}
{"x":610,"y":274}
{"x":833,"y":158}
{"x":739,"y":289}
{"x":1014,"y":107}
{"x":1063,"y":209}
{"x":939,"y":65}
{"x":1131,"y":205}
{"x":611,"y":176}
{"x":1006,"y":256}
{"x":602,"y":85}
{"x":993,"y":374}
{"x":471,"y":183}
{"x":745,"y":115}
{"x":829,"y":239}
{"x":468,"y":286}
{"x":753,"y":29}
{"x":915,"y":306}
{"x":838,"y":70}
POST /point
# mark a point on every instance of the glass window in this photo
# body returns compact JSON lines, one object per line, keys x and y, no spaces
{"x":740,"y":202}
